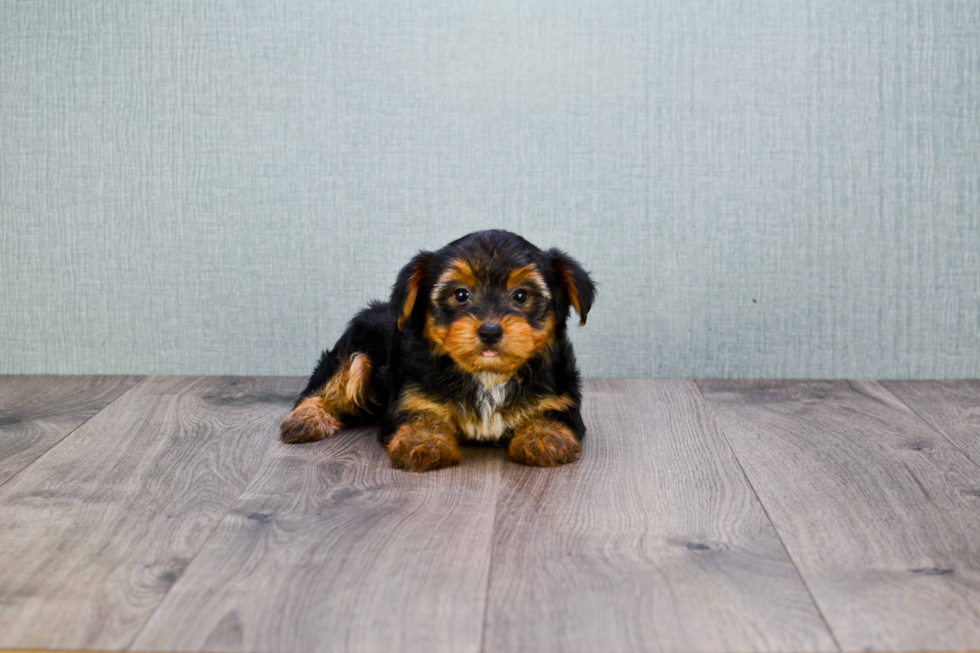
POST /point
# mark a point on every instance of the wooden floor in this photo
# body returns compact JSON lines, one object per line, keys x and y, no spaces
{"x":162,"y":514}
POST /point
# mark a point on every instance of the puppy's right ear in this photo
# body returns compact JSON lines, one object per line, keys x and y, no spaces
{"x":406,"y":289}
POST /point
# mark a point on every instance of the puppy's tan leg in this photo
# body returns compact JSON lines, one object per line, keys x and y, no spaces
{"x":423,"y":443}
{"x":319,"y":416}
{"x":309,"y":421}
{"x":544,"y":443}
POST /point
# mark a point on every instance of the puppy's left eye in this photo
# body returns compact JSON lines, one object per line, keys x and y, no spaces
{"x":520,"y":296}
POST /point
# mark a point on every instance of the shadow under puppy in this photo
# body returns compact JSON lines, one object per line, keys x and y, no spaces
{"x":472,"y":346}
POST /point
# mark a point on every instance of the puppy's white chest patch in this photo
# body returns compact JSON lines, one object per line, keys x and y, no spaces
{"x":490,"y":425}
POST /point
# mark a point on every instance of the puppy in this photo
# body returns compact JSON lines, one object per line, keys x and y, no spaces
{"x":472,"y":346}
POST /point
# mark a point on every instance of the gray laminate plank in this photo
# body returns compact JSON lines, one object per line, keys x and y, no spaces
{"x":950,"y":407}
{"x":329,"y":549}
{"x":37,"y":411}
{"x":879,"y":512}
{"x":653,"y":541}
{"x":96,"y":532}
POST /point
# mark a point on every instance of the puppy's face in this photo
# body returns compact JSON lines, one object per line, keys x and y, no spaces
{"x":491,"y":300}
{"x":488,"y":315}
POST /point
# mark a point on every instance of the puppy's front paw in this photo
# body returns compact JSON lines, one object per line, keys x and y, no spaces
{"x":416,"y":447}
{"x":308,"y":422}
{"x":544,"y":443}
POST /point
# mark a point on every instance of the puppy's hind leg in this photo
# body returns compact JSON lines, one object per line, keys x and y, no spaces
{"x":319,"y":414}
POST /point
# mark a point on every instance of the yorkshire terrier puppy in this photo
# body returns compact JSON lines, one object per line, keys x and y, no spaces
{"x":472,"y":346}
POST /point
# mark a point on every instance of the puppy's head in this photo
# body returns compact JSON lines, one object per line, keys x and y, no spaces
{"x":490,"y":300}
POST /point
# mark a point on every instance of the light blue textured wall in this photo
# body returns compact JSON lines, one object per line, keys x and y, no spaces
{"x":778,"y":189}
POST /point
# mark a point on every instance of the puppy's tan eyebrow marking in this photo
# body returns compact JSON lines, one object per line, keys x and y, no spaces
{"x":528,"y":274}
{"x":457,"y":271}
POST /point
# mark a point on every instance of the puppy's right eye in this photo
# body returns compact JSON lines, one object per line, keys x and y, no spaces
{"x":461,"y":295}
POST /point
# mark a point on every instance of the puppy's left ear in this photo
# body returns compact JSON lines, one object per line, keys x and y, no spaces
{"x":406,"y":289}
{"x":579,"y":290}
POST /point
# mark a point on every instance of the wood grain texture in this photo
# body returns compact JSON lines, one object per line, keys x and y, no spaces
{"x":950,"y":407}
{"x":36,"y":412}
{"x":330,"y":549}
{"x":880,"y":513}
{"x":96,"y":532}
{"x":653,"y":541}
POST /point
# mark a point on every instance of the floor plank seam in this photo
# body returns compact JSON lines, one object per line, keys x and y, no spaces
{"x":765,"y":510}
{"x":142,"y":380}
{"x":214,"y":529}
{"x":930,"y":425}
{"x":493,"y":533}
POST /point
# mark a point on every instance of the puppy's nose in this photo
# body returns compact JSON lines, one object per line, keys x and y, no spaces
{"x":490,"y":333}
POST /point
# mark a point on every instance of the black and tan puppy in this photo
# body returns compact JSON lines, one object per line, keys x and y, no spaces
{"x":471,"y":346}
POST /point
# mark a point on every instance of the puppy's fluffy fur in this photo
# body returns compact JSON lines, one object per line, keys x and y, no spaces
{"x":471,"y":346}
